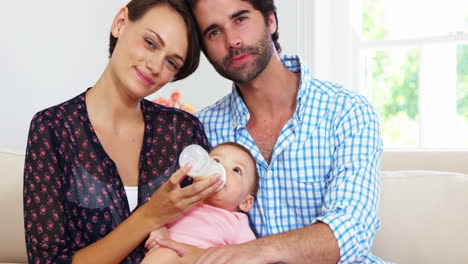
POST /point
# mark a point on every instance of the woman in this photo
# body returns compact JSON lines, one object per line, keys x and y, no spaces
{"x":82,"y":154}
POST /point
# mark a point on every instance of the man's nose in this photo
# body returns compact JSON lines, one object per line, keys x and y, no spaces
{"x":234,"y":40}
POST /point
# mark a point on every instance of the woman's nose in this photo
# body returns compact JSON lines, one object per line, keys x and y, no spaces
{"x":155,"y":63}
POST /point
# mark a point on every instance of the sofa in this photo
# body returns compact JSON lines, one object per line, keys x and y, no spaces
{"x":424,"y":210}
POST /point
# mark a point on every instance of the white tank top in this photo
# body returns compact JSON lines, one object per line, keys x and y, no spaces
{"x":132,"y":196}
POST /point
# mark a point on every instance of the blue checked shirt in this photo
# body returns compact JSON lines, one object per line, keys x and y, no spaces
{"x":324,"y":166}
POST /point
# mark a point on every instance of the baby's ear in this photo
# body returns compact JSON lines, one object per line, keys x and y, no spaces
{"x":246,"y":204}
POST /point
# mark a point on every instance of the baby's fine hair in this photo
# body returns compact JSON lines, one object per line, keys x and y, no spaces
{"x":246,"y":151}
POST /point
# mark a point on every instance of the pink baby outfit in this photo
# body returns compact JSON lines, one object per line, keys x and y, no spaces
{"x":206,"y":226}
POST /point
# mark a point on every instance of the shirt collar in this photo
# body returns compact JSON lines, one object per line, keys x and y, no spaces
{"x":241,"y":114}
{"x":294,"y":64}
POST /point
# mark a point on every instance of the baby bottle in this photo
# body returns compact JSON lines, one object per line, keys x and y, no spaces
{"x":203,"y":166}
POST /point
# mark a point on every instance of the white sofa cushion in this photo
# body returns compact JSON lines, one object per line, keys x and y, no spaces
{"x":424,"y":217}
{"x":12,"y":244}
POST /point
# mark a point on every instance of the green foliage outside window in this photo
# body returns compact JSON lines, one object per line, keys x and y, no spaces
{"x":394,"y":87}
{"x":462,"y":81}
{"x":395,"y":82}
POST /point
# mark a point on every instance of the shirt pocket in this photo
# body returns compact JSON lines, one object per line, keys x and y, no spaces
{"x":307,"y":169}
{"x":306,"y":186}
{"x":305,"y":192}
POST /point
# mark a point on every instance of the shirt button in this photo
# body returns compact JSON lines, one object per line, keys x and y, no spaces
{"x":272,"y":215}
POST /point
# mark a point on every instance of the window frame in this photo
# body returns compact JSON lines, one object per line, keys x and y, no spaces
{"x":334,"y":51}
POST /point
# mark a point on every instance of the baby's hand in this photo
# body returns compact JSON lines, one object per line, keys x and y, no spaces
{"x":159,"y":233}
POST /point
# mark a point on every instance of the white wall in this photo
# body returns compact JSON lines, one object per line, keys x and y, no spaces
{"x":53,"y":50}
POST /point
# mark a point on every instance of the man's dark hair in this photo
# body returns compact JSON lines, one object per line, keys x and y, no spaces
{"x":265,"y":7}
{"x":138,"y":8}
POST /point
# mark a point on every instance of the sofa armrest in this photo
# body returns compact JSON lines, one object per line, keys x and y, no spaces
{"x":12,"y":244}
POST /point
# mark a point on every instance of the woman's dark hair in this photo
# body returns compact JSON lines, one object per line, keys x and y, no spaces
{"x":138,"y":8}
{"x":265,"y":7}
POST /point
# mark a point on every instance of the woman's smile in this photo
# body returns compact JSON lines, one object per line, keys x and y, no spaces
{"x":145,"y":79}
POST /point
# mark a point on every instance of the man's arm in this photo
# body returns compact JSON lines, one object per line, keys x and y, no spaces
{"x":351,"y":200}
{"x":312,"y":244}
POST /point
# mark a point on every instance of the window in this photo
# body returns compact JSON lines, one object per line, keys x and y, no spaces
{"x":414,"y":67}
{"x":409,"y":57}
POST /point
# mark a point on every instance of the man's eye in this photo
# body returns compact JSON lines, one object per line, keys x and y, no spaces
{"x":237,"y":170}
{"x":241,"y":19}
{"x":213,"y":33}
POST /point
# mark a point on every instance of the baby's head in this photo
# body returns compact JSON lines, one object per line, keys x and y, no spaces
{"x":242,"y":178}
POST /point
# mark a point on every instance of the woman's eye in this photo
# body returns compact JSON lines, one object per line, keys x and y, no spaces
{"x":173,"y":65}
{"x":237,"y":170}
{"x":217,"y":160}
{"x":150,"y":43}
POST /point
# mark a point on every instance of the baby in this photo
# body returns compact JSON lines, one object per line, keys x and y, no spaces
{"x":221,"y":219}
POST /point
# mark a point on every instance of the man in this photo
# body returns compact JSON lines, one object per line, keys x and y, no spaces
{"x":317,"y":145}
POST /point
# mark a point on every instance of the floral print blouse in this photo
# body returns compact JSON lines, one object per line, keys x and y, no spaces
{"x":73,"y":194}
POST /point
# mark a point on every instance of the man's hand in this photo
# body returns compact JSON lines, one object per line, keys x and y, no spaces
{"x":188,"y":254}
{"x":159,"y":233}
{"x":234,"y":254}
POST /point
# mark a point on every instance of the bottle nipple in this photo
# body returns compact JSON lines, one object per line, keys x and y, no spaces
{"x":203,"y":166}
{"x":222,"y":175}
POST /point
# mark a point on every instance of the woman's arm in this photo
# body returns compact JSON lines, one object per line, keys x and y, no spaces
{"x":45,"y":221}
{"x":165,"y":205}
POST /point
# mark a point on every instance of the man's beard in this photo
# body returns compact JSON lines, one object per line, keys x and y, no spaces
{"x":262,"y":52}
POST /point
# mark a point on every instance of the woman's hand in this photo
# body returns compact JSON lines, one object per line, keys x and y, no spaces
{"x":170,"y":201}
